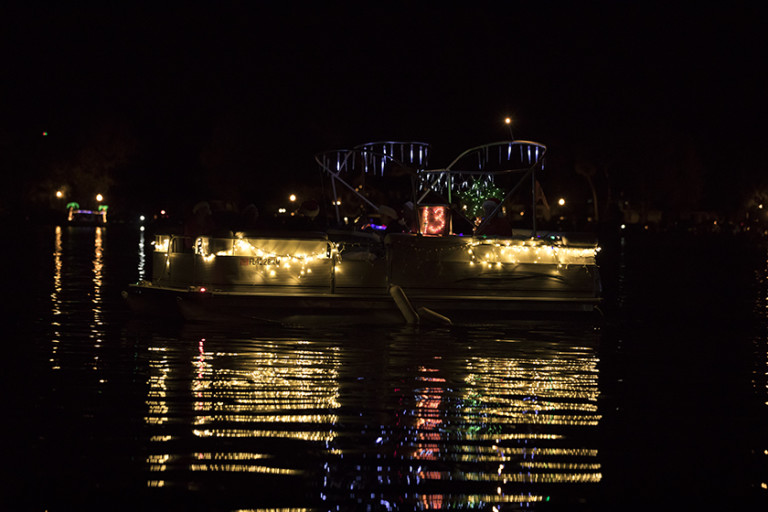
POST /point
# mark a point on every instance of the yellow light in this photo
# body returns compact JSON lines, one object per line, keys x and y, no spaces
{"x":561,"y":201}
{"x":508,"y":120}
{"x":292,"y":197}
{"x":59,"y":194}
{"x":99,"y":197}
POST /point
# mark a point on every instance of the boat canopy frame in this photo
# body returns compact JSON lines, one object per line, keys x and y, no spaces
{"x":375,"y":158}
{"x":488,"y":162}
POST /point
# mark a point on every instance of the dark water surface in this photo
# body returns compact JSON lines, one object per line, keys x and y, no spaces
{"x":661,"y":405}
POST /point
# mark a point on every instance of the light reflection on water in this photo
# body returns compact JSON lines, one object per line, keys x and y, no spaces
{"x":760,"y":374}
{"x":486,"y":420}
{"x":76,"y":292}
{"x":141,"y":267}
{"x":56,"y":298}
{"x":336,"y":418}
{"x":97,"y":326}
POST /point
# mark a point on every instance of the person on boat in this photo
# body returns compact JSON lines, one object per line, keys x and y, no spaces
{"x":310,"y":212}
{"x":305,"y":218}
{"x":199,"y":224}
{"x":249,"y":219}
{"x":410,"y":218}
{"x":392,"y":220}
{"x":494,"y":222}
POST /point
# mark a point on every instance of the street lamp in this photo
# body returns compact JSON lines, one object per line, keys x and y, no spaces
{"x":508,"y":122}
{"x":561,"y":201}
{"x":99,"y":197}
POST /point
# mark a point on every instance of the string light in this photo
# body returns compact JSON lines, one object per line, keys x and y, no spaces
{"x":500,"y":252}
{"x":284,"y":267}
{"x":480,"y":191}
{"x":434,"y":220}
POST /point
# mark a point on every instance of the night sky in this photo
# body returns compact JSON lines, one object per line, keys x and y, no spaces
{"x":232,"y":99}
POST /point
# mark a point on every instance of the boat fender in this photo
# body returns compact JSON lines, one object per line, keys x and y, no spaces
{"x":404,"y":305}
{"x":426,"y":315}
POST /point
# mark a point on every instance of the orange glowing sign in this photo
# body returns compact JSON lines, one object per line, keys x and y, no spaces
{"x":434,"y":220}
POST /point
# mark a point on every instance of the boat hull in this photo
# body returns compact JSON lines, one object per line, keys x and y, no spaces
{"x":343,"y":308}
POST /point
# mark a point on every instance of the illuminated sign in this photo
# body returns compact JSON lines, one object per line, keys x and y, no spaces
{"x":434,"y":220}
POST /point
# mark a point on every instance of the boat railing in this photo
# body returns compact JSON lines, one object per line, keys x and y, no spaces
{"x":348,"y":168}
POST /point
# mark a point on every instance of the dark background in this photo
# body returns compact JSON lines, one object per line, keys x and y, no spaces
{"x":160,"y":106}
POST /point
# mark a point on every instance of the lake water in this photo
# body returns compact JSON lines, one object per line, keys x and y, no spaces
{"x":660,"y":405}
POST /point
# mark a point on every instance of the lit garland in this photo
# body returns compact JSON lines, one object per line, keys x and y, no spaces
{"x":479,"y":192}
{"x":497,"y":253}
{"x":268,"y":264}
{"x":272,"y":265}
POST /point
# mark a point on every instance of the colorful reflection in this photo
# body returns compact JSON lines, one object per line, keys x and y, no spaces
{"x":506,"y":428}
{"x":429,"y":420}
{"x":476,"y":432}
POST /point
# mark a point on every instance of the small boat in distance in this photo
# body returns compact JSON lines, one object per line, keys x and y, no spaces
{"x":449,"y":255}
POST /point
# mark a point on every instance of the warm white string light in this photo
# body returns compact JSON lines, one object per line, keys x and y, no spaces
{"x":490,"y":254}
